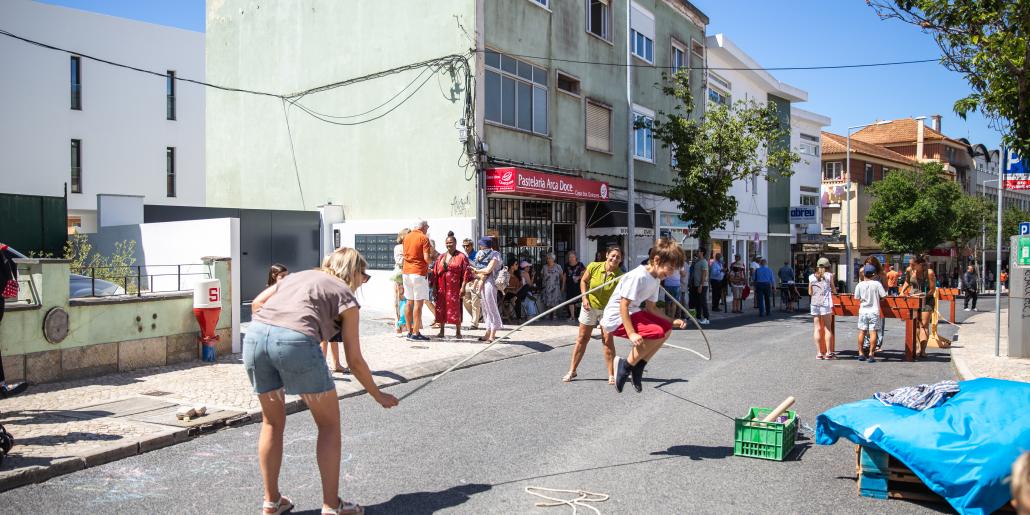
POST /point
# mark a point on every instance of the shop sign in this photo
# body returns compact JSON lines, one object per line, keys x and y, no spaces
{"x":538,"y":184}
{"x":819,"y":238}
{"x":803,"y":215}
{"x":811,"y":247}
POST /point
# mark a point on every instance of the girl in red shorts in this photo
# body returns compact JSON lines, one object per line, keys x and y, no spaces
{"x":646,"y":328}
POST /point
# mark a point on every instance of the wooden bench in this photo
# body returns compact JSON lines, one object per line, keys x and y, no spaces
{"x":902,"y":308}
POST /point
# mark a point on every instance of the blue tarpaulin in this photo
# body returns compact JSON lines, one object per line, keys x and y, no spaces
{"x":963,"y":450}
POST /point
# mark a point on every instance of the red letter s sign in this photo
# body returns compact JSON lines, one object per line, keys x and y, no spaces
{"x":212,"y":294}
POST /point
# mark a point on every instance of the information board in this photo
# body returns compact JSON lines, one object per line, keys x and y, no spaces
{"x":377,"y":249}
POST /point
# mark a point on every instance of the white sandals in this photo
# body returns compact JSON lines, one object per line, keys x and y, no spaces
{"x":345,"y":508}
{"x":281,"y":506}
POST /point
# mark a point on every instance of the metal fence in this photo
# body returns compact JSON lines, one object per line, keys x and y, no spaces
{"x":106,"y":281}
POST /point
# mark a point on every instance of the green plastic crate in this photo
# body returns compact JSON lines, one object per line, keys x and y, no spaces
{"x":766,"y":440}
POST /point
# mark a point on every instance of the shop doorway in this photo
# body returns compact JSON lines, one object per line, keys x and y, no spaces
{"x":564,"y":241}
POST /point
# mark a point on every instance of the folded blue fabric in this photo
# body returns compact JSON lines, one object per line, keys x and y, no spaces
{"x":963,"y":449}
{"x":920,"y":397}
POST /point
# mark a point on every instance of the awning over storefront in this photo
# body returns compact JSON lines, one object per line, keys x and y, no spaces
{"x":610,"y":219}
{"x":520,"y":181}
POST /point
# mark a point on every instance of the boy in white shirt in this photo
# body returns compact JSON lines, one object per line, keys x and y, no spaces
{"x":647,"y":329}
{"x":869,"y":291}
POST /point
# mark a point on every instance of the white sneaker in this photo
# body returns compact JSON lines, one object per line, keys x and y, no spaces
{"x":966,"y":309}
{"x":704,"y":321}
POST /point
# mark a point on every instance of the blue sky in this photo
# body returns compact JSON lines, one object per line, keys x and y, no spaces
{"x":774,"y":33}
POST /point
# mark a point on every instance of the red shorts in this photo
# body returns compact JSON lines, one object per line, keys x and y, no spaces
{"x":651,"y":327}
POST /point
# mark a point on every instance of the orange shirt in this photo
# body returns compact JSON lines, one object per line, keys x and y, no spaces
{"x":892,"y":279}
{"x":416,"y":246}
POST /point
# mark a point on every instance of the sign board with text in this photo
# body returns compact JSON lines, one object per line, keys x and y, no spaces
{"x":518,"y":181}
{"x":804,"y":215}
{"x":1017,"y":172}
{"x":1024,"y":228}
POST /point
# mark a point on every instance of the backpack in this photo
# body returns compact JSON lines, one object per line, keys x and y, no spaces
{"x":503,"y":276}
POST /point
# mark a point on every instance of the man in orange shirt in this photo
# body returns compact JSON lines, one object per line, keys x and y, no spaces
{"x":892,"y":281}
{"x":416,"y":277}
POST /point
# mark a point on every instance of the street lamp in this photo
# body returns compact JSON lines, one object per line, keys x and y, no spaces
{"x":983,"y":228}
{"x":847,"y":200}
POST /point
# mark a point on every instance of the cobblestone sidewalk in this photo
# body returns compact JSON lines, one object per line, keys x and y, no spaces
{"x":63,"y":427}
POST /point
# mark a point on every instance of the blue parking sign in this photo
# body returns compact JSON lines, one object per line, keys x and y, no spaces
{"x":1024,"y":228}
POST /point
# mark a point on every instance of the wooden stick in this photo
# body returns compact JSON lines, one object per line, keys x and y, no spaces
{"x":787,"y":403}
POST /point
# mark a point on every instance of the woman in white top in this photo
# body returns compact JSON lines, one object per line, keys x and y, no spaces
{"x":821,"y":289}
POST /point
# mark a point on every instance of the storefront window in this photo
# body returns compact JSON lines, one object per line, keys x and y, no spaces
{"x":529,"y":229}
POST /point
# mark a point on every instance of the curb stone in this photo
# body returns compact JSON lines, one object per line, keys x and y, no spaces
{"x":38,"y":473}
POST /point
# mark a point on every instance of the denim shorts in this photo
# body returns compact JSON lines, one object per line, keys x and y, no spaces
{"x":868,"y":321}
{"x":276,"y":357}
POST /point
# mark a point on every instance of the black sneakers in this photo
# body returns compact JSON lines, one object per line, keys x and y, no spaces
{"x":9,"y":390}
{"x":621,"y":373}
{"x":637,"y":374}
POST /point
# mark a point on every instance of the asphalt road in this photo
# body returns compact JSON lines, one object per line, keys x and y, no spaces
{"x":473,"y":441}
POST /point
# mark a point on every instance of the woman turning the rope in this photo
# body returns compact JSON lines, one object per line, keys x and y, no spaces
{"x":281,"y":356}
{"x":596,"y":274}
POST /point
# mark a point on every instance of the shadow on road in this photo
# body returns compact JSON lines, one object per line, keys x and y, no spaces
{"x":697,"y":452}
{"x":419,"y":503}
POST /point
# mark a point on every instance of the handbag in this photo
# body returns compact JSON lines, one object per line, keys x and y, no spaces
{"x":745,"y":293}
{"x":11,"y":289}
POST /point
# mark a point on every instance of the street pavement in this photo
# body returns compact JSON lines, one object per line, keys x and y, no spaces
{"x":472,"y":441}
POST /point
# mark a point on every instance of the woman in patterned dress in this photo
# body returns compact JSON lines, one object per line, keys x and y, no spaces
{"x":451,"y":270}
{"x":553,"y":278}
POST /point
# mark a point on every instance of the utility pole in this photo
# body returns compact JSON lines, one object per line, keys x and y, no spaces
{"x":631,"y":193}
{"x":997,"y":274}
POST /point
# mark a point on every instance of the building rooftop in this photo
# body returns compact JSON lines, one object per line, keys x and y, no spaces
{"x":837,"y":144}
{"x":903,"y":130}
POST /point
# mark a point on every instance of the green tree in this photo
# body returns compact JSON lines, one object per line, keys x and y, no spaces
{"x":1010,"y":220}
{"x":909,"y":209}
{"x":988,"y":42}
{"x":711,"y":152}
{"x":970,"y":215}
{"x":118,"y":267}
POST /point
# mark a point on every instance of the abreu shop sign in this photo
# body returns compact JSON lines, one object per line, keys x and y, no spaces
{"x":519,"y":181}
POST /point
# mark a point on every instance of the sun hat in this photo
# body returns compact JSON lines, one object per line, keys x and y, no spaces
{"x":823,"y":262}
{"x":485,"y":241}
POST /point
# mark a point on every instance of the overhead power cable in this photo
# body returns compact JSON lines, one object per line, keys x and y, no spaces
{"x":771,"y":68}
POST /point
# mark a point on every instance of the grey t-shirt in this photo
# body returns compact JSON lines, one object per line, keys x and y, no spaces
{"x":309,"y":302}
{"x":700,"y":268}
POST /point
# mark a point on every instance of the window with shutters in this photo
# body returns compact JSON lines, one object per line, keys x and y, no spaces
{"x":598,"y":126}
{"x":679,"y":56}
{"x":641,"y":37}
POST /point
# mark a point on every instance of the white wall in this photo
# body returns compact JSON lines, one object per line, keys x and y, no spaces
{"x":122,"y":123}
{"x":378,"y":294}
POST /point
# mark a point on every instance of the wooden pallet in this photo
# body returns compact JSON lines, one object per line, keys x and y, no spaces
{"x":881,"y":476}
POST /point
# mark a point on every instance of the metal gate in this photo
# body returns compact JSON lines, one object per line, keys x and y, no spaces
{"x":34,"y":224}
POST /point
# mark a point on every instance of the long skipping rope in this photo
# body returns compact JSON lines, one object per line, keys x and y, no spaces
{"x":549,"y":311}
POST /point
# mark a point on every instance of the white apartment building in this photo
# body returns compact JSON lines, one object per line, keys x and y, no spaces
{"x":806,"y":183}
{"x":70,"y":121}
{"x":761,"y":217}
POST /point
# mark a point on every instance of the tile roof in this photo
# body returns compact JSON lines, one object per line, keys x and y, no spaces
{"x":837,"y":144}
{"x":903,"y":130}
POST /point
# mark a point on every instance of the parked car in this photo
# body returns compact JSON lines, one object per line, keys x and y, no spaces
{"x":81,"y":285}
